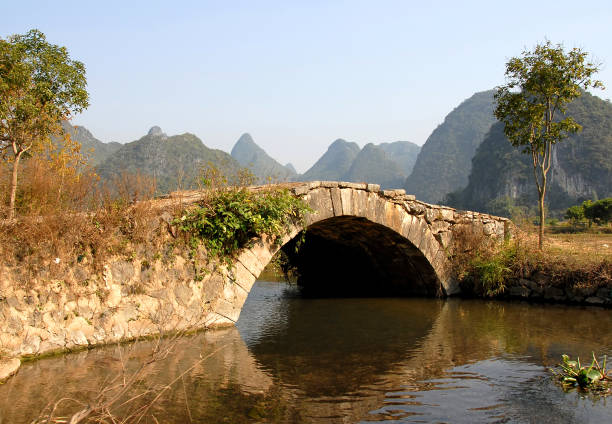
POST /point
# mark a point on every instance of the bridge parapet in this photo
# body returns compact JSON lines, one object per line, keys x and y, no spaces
{"x":442,"y":220}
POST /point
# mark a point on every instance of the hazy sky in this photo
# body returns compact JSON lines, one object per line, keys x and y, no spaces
{"x":297,"y":75}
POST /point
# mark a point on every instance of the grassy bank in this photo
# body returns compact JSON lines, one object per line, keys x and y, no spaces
{"x":573,"y":268}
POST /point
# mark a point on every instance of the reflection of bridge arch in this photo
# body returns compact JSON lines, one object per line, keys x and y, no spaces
{"x":405,"y":240}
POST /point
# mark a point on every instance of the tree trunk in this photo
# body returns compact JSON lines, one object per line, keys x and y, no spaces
{"x":14,"y":187}
{"x":541,"y":233}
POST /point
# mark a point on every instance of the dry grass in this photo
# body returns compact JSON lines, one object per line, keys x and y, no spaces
{"x":567,"y":261}
{"x":66,"y":218}
{"x":581,"y":247}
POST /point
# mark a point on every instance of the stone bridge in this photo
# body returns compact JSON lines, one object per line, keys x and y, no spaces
{"x":360,"y":240}
{"x":360,"y":236}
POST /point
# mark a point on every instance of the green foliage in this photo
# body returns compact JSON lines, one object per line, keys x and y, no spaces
{"x":575,"y":214}
{"x":40,"y":85}
{"x":230,"y":218}
{"x":531,"y":105}
{"x":541,"y":84}
{"x":600,"y":211}
{"x":489,"y":273}
{"x":593,"y":378}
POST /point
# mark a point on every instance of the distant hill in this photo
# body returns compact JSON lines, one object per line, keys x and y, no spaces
{"x":581,"y":168}
{"x":404,"y":153}
{"x":251,"y":156}
{"x":386,"y":164}
{"x":173,"y":161}
{"x":291,"y":168}
{"x":372,"y":165}
{"x":444,"y":162}
{"x":334,"y":163}
{"x":96,"y":150}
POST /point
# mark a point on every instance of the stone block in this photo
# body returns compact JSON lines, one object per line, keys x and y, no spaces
{"x":445,"y":238}
{"x":346,"y":194}
{"x":240,"y":296}
{"x":594,"y":300}
{"x":574,"y":294}
{"x":329,"y":184}
{"x":431,"y":214}
{"x":380,"y":210}
{"x":336,"y":201}
{"x":519,"y":291}
{"x":554,"y":293}
{"x":416,"y":208}
{"x":251,"y":262}
{"x":8,"y":367}
{"x":409,"y":197}
{"x":182,"y":293}
{"x":394,"y":193}
{"x":439,"y":226}
{"x":242,"y":276}
{"x":314,"y":184}
{"x":261,"y":249}
{"x":375,"y":188}
{"x":122,"y":271}
{"x":355,"y":186}
{"x":447,"y":214}
{"x":320,"y":201}
{"x":226,"y":309}
{"x":77,"y":338}
{"x":605,"y":293}
{"x":360,"y":202}
{"x":533,"y":286}
{"x":31,"y":345}
{"x":407,"y":221}
{"x":300,"y":190}
{"x":489,"y":228}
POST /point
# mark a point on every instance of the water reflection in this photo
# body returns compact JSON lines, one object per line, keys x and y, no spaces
{"x":299,"y":360}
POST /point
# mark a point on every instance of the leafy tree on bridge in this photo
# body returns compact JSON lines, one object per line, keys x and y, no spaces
{"x":40,"y":85}
{"x":532,"y":104}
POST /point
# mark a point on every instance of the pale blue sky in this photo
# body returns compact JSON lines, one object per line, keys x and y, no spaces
{"x":298,"y":74}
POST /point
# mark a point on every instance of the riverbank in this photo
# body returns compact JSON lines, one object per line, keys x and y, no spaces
{"x":572,"y":268}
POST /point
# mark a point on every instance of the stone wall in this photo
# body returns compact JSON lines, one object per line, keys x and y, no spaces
{"x":540,"y":288}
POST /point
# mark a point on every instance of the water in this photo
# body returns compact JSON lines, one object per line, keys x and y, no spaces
{"x":303,"y":360}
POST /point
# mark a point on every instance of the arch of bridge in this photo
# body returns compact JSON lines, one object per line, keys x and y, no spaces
{"x":429,"y":228}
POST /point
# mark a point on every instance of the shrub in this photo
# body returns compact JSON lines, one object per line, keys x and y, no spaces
{"x":228,"y":219}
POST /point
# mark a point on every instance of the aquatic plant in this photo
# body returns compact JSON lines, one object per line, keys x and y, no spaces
{"x":594,"y":378}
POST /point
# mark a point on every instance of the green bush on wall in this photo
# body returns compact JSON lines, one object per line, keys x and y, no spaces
{"x":229,"y":219}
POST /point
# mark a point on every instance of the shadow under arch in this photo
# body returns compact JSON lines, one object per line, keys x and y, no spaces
{"x":351,"y":256}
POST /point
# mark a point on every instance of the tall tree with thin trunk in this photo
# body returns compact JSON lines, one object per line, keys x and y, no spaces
{"x":40,"y":85}
{"x":532,"y":104}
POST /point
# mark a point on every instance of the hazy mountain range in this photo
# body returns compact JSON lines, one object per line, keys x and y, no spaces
{"x":445,"y":160}
{"x":466,"y":161}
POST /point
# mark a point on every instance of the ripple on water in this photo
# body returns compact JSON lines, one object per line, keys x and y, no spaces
{"x":497,"y":390}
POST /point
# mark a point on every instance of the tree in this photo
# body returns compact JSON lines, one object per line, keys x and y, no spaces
{"x":599,"y":211}
{"x":532,"y":104}
{"x":575,"y":214}
{"x":40,"y":85}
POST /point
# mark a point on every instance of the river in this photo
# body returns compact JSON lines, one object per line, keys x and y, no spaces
{"x":292,"y":359}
